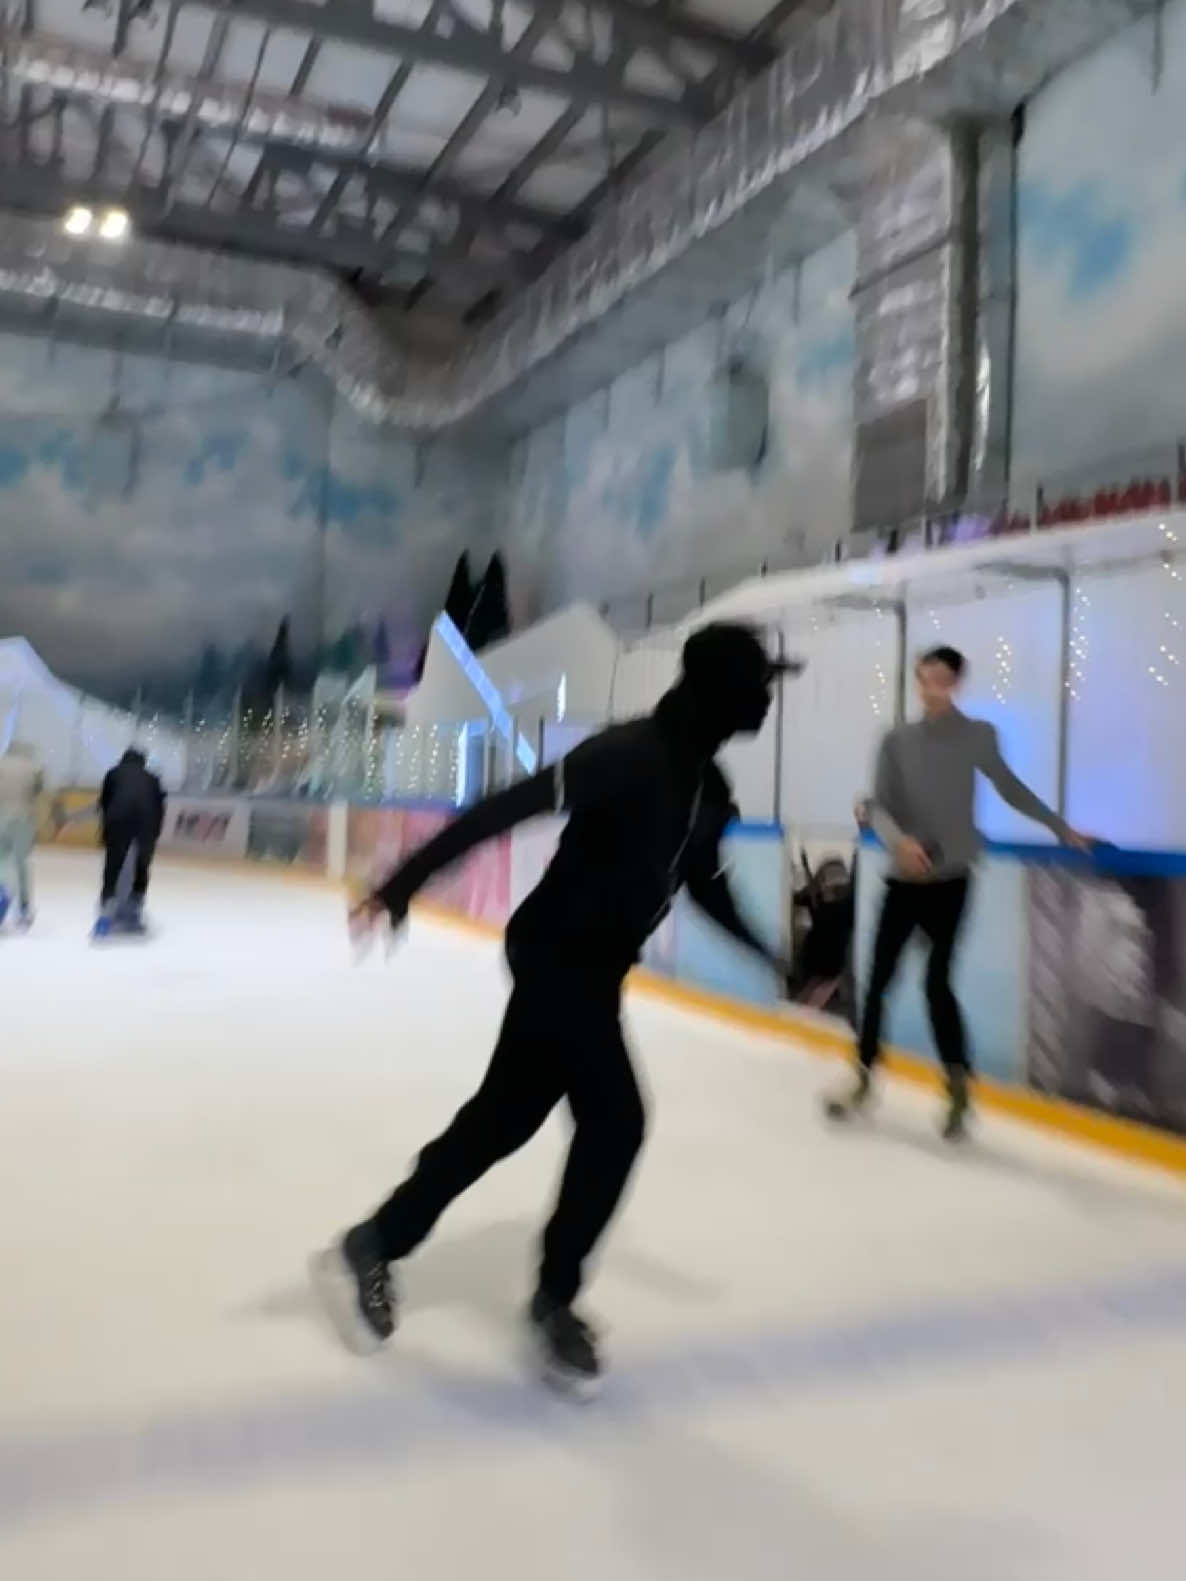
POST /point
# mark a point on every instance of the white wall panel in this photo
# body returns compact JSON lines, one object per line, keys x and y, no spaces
{"x":834,"y":716}
{"x":1012,"y":642}
{"x":1128,"y":707}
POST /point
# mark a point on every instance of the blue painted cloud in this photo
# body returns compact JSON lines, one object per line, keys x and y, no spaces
{"x":1095,"y":245}
{"x":821,"y":360}
{"x":365,"y":511}
{"x":14,"y":463}
{"x":219,"y":452}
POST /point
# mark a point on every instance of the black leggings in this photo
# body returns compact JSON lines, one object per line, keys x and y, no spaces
{"x":561,"y":1038}
{"x":117,"y":843}
{"x":936,"y":910}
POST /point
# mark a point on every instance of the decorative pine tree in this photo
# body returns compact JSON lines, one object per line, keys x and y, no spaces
{"x":278,"y":671}
{"x":490,"y":619}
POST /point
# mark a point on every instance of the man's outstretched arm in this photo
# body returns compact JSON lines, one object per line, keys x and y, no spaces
{"x":531,"y":798}
{"x":1016,"y":793}
{"x":597,"y":771}
{"x":710,"y":892}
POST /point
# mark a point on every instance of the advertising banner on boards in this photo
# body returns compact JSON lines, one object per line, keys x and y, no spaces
{"x":206,"y":826}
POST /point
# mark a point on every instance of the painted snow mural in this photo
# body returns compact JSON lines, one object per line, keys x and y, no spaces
{"x":1101,"y":344}
{"x":626,"y":491}
{"x":155,"y":542}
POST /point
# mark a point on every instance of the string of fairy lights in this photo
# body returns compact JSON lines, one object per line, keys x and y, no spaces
{"x":350,"y":752}
{"x":881,"y":693}
{"x":1168,"y":657}
{"x":1077,"y":669}
{"x":1002,"y":673}
{"x":374,"y":760}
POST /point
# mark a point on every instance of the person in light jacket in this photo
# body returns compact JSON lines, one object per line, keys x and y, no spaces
{"x":21,"y":783}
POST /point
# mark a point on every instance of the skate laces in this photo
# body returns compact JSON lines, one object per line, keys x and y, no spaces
{"x":376,"y":1287}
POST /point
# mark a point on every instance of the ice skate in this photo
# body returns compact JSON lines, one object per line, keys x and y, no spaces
{"x":955,"y":1124}
{"x":855,"y":1101}
{"x":129,"y":920}
{"x":24,"y":919}
{"x":5,"y":903}
{"x":354,"y":1287}
{"x":567,"y":1348}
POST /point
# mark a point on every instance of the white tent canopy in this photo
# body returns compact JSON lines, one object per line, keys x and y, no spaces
{"x":76,"y":737}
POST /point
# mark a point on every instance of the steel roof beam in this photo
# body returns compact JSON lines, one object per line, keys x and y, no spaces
{"x":201,"y":106}
{"x":463,"y":134}
{"x":407,"y":181}
{"x":395,"y":86}
{"x":470,"y":50}
{"x":38,"y":189}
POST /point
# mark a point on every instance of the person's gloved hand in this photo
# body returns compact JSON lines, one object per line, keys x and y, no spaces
{"x":365,"y":919}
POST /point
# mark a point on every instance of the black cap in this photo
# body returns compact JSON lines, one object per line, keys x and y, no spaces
{"x":728,"y":653}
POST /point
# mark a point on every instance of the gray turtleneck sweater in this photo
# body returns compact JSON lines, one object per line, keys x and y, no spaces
{"x":926,"y":785}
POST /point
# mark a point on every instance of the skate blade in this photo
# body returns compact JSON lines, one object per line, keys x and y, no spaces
{"x":336,"y":1292}
{"x":842,"y":1111}
{"x":569,"y":1386}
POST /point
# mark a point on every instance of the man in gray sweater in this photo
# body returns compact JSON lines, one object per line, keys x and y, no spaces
{"x":923,"y":813}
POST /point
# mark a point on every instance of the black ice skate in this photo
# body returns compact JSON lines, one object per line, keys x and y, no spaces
{"x":959,"y":1101}
{"x":567,"y":1348}
{"x":854,"y":1101}
{"x":354,"y":1285}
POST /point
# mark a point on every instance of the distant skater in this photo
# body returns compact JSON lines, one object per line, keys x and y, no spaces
{"x":647,"y":808}
{"x":21,"y":783}
{"x":923,"y":812}
{"x":132,"y":814}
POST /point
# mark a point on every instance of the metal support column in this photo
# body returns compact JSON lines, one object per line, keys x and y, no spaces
{"x":900,"y":677}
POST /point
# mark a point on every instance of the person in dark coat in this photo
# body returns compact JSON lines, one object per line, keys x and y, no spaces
{"x":132,"y":814}
{"x":647,"y":808}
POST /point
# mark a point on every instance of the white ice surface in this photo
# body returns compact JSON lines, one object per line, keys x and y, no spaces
{"x":836,"y":1356}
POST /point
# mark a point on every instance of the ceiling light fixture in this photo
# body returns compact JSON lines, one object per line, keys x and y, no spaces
{"x":114,"y":225}
{"x":78,"y":221}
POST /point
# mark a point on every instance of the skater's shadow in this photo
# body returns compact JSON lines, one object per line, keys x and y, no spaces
{"x":1084,"y":1191}
{"x":487,"y":1271}
{"x":694,"y":1511}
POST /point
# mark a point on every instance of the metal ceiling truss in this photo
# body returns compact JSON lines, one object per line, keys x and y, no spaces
{"x":321,"y":190}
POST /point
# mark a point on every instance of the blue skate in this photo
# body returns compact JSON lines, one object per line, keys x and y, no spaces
{"x":5,"y":903}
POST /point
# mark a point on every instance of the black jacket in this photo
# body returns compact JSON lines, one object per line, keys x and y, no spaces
{"x":647,"y":811}
{"x":132,"y":799}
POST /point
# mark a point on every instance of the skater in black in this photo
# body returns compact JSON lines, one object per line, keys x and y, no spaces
{"x":132,"y":813}
{"x":648,"y":806}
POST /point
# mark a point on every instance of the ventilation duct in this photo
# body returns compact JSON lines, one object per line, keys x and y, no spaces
{"x":36,"y":61}
{"x":692,"y":233}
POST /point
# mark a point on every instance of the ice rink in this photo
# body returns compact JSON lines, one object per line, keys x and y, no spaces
{"x":834,"y":1355}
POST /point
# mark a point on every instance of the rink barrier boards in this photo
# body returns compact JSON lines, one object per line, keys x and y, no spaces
{"x":815,"y":1033}
{"x":830,"y":1039}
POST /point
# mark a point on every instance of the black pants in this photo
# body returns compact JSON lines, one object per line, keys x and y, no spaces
{"x":561,"y":1038}
{"x":937,"y":910}
{"x":117,"y":842}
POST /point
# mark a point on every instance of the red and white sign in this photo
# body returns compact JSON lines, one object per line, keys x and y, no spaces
{"x":216,"y":828}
